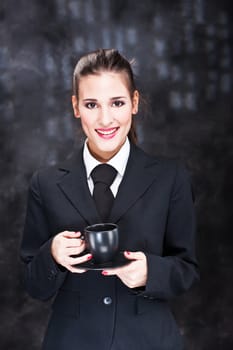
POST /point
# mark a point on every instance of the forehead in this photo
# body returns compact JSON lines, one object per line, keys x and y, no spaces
{"x":104,"y":82}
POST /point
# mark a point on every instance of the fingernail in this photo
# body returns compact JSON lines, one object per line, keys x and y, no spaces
{"x":104,"y":273}
{"x":128,"y":253}
{"x":89,"y":257}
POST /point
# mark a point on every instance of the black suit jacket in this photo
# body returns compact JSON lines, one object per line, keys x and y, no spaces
{"x":154,"y":211}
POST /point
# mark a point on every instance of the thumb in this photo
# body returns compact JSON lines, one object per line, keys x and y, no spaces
{"x":134,"y":255}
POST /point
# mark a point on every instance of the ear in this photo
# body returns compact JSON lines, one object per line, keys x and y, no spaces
{"x":75,"y":106}
{"x":135,"y":102}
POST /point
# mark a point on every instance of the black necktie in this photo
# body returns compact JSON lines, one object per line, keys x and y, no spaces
{"x":103,"y":176}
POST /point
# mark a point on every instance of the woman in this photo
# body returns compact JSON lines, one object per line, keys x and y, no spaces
{"x":126,"y":306}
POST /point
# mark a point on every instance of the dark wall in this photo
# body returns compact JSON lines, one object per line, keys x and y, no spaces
{"x":183,"y":52}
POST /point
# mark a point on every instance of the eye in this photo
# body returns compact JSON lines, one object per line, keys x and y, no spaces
{"x":118,"y":103}
{"x":91,"y":105}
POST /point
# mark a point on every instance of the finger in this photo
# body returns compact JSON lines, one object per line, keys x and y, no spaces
{"x":134,"y":255}
{"x":112,"y":272}
{"x":75,"y":270}
{"x":74,"y":251}
{"x":74,"y":242}
{"x":71,"y":234}
{"x":129,"y":268}
{"x":117,"y":271}
{"x":80,"y":259}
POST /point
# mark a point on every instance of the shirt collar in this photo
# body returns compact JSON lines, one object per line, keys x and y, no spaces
{"x":119,"y":161}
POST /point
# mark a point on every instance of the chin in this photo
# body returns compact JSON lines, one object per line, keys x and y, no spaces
{"x":106,"y":153}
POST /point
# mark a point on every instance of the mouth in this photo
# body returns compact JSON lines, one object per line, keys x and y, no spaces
{"x":107,"y":133}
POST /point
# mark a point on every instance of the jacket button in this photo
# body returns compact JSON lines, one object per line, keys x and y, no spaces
{"x":107,"y":300}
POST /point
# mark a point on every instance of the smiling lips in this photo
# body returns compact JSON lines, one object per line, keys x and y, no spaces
{"x":107,"y":133}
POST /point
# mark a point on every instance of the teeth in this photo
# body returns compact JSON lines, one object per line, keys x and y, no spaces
{"x":106,"y":132}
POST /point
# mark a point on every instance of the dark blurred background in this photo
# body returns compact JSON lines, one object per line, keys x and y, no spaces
{"x":183,"y":53}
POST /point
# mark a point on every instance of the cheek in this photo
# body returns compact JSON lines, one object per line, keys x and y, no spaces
{"x":86,"y":118}
{"x":86,"y":125}
{"x":126,"y":117}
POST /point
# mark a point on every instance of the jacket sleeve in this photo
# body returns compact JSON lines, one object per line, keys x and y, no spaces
{"x":176,"y":270}
{"x":42,"y":276}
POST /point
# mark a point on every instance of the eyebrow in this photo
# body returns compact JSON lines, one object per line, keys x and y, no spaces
{"x":112,"y":98}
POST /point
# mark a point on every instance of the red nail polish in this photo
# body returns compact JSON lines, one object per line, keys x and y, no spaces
{"x":89,"y":257}
{"x":128,"y":253}
{"x":104,"y":273}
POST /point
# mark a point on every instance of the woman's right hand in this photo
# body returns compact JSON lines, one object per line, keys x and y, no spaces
{"x":64,"y":245}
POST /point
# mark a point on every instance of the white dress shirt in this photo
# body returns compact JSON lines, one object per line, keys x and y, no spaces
{"x":119,"y":162}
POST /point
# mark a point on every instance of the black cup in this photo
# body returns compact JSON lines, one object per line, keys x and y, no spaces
{"x":102,"y":241}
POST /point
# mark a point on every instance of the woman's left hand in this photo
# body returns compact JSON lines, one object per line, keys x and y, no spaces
{"x":134,"y":274}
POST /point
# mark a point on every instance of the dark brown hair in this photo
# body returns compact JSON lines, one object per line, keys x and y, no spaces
{"x":105,"y":60}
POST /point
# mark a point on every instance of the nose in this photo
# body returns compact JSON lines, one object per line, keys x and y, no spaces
{"x":105,"y":117}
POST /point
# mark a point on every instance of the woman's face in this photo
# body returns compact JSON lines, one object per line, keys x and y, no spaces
{"x":105,"y":108}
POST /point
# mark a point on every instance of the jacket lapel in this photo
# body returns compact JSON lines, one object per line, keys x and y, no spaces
{"x":141,"y":172}
{"x":74,"y":185}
